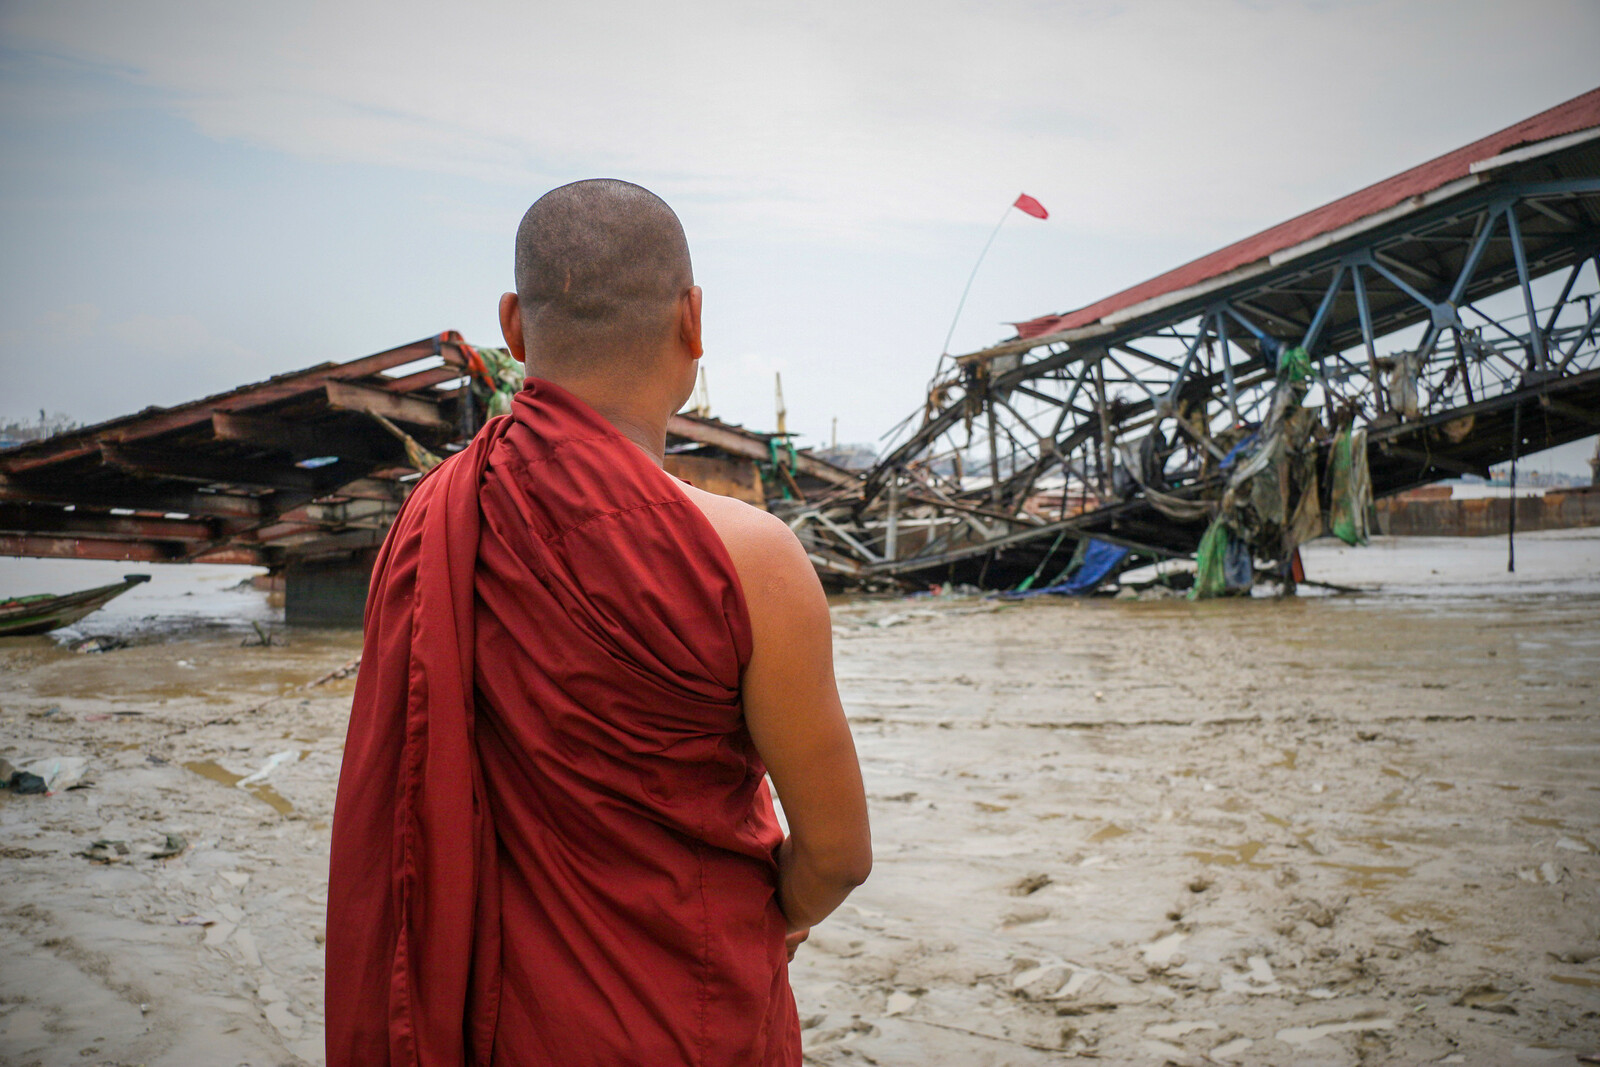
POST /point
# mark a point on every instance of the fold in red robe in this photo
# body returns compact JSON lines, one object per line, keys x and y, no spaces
{"x":553,"y":844}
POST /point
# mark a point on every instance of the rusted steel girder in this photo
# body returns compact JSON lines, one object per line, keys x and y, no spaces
{"x":25,"y":519}
{"x":158,"y":422}
{"x":130,"y":551}
{"x":305,"y":464}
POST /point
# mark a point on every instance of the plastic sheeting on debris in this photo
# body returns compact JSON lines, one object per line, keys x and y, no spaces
{"x":1223,"y":564}
{"x":1273,"y":500}
{"x":507,"y":374}
{"x":1183,"y":509}
{"x":1210,"y":562}
{"x":1295,"y":365}
{"x":1351,"y":492}
{"x":1402,"y":383}
{"x":1100,"y":561}
{"x":52,"y":774}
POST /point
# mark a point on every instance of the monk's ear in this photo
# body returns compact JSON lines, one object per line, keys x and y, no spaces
{"x":511,"y":326}
{"x":689,"y":321}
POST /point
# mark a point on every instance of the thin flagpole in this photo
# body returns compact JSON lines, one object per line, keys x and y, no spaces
{"x":945,"y":351}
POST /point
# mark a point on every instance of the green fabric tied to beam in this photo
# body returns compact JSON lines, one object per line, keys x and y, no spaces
{"x":1295,"y":365}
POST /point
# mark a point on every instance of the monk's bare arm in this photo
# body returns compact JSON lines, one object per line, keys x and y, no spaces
{"x":791,"y":703}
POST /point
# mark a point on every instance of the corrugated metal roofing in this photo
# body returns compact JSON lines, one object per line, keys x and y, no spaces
{"x":1579,"y":113}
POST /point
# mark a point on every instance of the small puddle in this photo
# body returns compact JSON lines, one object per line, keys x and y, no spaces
{"x":1237,"y":856}
{"x":1534,"y":820}
{"x":261,"y":791}
{"x":1107,"y":832}
{"x":1277,"y":820}
{"x":1576,"y":979}
{"x":1365,"y":878}
{"x":1291,"y":757}
{"x":213,"y":771}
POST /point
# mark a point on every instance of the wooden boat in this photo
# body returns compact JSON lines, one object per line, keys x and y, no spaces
{"x":43,"y":612}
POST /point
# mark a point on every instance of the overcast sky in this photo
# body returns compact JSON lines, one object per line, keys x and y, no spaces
{"x":194,"y":195}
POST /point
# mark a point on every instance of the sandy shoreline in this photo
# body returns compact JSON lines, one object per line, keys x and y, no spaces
{"x":1328,"y":831}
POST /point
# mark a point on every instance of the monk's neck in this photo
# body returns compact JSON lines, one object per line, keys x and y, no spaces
{"x":635,"y":413}
{"x":649,"y":433}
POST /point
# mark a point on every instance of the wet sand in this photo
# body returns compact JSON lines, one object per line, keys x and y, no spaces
{"x":1319,"y":831}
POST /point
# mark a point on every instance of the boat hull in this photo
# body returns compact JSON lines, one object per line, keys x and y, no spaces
{"x":24,"y":616}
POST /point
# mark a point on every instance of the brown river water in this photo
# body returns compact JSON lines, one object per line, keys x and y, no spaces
{"x":1325,"y":830}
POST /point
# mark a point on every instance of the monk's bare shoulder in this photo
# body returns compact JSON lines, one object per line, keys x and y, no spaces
{"x":771,"y":563}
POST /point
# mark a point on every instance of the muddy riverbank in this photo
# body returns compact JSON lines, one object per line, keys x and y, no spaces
{"x":1323,"y":831}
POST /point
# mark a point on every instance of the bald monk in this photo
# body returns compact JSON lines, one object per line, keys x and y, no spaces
{"x":554,"y":842}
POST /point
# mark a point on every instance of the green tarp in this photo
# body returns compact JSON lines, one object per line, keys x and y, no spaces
{"x":1351,"y":493}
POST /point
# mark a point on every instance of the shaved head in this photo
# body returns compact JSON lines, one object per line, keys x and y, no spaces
{"x":601,"y":265}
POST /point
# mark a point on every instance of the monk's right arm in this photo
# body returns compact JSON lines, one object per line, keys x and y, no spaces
{"x":795,"y":717}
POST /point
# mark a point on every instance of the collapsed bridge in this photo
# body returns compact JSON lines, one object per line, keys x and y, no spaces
{"x":305,"y":472}
{"x":1445,"y":317}
{"x":1448,"y":314}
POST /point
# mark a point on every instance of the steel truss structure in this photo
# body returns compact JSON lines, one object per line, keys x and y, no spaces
{"x":1459,"y":326}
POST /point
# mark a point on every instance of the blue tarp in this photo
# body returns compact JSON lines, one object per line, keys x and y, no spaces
{"x":1100,"y":561}
{"x":1242,"y":446}
{"x":1238,"y":567}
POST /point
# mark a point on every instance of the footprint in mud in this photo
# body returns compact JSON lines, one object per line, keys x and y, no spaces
{"x":1023,"y":914}
{"x":1029,"y":884}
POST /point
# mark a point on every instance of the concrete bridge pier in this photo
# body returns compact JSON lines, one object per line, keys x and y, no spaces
{"x":327,"y":592}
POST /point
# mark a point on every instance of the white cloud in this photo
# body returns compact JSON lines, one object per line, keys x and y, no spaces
{"x":842,"y":118}
{"x":837,"y":165}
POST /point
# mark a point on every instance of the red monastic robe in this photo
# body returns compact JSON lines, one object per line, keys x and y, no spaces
{"x":553,"y":843}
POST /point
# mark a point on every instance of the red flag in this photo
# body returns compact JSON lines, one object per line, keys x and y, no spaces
{"x":1028,"y":204}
